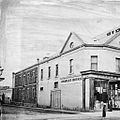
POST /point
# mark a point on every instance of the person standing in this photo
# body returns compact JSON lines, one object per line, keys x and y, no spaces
{"x":3,"y":98}
{"x":104,"y":111}
{"x":110,"y":104}
{"x":105,"y":100}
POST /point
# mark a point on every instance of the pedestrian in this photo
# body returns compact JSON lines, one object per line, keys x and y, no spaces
{"x":110,"y":104}
{"x":105,"y":101}
{"x":104,"y":111}
{"x":3,"y":98}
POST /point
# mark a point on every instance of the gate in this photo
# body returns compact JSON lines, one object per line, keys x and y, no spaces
{"x":56,"y":99}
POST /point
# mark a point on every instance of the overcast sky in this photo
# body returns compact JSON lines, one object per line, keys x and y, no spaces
{"x":32,"y":29}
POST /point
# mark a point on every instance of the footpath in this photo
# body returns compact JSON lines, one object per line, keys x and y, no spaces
{"x":43,"y":110}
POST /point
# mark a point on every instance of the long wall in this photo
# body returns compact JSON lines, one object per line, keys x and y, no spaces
{"x":68,"y":94}
{"x":72,"y":92}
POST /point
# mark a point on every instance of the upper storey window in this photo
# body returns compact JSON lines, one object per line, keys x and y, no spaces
{"x":56,"y":74}
{"x":117,"y":64}
{"x":41,"y":74}
{"x":94,"y":62}
{"x":49,"y":72}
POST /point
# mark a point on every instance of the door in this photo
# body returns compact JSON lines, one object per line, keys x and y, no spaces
{"x":100,"y":93}
{"x":56,"y":99}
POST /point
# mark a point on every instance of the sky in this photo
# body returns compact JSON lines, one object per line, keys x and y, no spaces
{"x":31,"y":29}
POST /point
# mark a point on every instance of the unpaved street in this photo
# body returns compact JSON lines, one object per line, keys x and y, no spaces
{"x":12,"y":113}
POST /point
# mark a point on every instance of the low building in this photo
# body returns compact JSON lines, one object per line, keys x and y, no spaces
{"x":7,"y":91}
{"x":84,"y":74}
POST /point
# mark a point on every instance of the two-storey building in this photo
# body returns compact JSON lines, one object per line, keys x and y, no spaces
{"x":81,"y":74}
{"x":25,"y":86}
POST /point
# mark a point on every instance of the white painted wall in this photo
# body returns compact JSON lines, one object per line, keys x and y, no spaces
{"x":71,"y":93}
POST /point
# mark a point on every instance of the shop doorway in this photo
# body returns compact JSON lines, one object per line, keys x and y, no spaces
{"x":100,"y":93}
{"x":56,"y":99}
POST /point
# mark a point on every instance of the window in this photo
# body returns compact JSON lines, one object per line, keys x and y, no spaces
{"x":56,"y":74}
{"x":55,"y":84}
{"x":28,"y":78}
{"x":49,"y":72}
{"x":41,"y":74}
{"x":71,"y":65}
{"x":31,"y":76}
{"x":94,"y":62}
{"x":28,"y":94}
{"x":24,"y":79}
{"x":41,"y":88}
{"x":33,"y":92}
{"x":71,"y":45}
{"x":117,"y":64}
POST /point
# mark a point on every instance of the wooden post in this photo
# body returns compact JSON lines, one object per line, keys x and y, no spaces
{"x":83,"y":85}
{"x":92,"y":99}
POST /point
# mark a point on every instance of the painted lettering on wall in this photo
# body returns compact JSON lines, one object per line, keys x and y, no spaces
{"x":113,"y":32}
{"x":70,"y":80}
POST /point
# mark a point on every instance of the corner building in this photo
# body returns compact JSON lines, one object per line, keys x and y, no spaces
{"x":83,"y":72}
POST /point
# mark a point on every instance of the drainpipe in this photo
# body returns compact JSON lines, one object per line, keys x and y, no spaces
{"x":13,"y":86}
{"x":37,"y":82}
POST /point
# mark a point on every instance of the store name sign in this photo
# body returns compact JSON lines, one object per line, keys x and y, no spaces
{"x":113,"y":32}
{"x":70,"y":80}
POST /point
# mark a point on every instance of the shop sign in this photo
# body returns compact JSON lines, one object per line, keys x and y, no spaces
{"x":105,"y":77}
{"x":70,"y":80}
{"x":113,"y":32}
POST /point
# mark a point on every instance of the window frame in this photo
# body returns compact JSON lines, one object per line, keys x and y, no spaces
{"x":94,"y":63}
{"x":49,"y":72}
{"x":117,"y":64}
{"x":71,"y":66}
{"x":55,"y":85}
{"x":56,"y":70}
{"x":41,"y":76}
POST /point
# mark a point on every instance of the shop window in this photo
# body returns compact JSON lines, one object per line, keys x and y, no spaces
{"x":41,"y":74}
{"x":71,"y":65}
{"x":117,"y":64}
{"x":55,"y":84}
{"x":94,"y":62}
{"x":100,"y":90}
{"x":56,"y":74}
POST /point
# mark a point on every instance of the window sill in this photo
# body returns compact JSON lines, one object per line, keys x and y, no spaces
{"x":56,"y":88}
{"x":71,"y":73}
{"x":49,"y":78}
{"x":56,"y":76}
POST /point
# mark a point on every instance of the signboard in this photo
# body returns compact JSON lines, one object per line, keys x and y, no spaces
{"x":113,"y":32}
{"x":71,"y":80}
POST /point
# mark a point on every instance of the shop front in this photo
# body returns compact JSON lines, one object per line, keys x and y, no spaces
{"x":114,"y":93}
{"x":104,"y":88}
